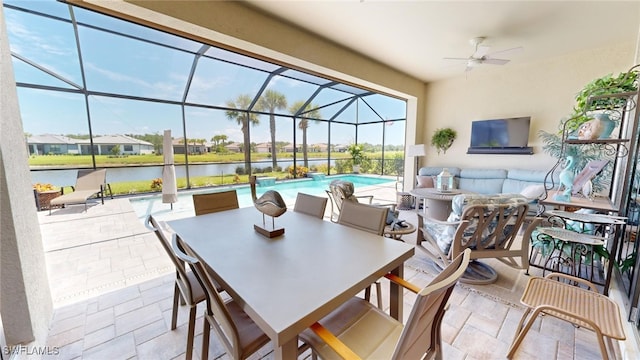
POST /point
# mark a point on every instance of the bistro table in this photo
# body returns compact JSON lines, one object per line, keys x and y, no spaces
{"x":571,"y":246}
{"x":287,"y":283}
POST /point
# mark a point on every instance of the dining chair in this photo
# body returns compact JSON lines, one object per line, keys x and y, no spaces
{"x":347,"y":332}
{"x":187,"y":287}
{"x":214,"y":202}
{"x":239,"y":334}
{"x":364,"y":217}
{"x":310,"y":205}
{"x":367,"y":218}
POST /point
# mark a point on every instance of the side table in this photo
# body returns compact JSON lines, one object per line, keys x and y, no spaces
{"x":397,"y":233}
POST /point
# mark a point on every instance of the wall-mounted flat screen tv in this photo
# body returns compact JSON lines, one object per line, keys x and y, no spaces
{"x":500,"y":136}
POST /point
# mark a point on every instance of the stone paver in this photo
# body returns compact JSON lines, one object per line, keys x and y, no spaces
{"x":112,"y":288}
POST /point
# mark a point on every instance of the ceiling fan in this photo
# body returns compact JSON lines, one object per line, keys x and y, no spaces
{"x":481,"y":54}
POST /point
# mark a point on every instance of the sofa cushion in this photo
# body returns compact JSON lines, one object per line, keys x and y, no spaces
{"x":518,"y":179}
{"x":483,"y":181}
{"x":533,"y":192}
{"x":433,"y":170}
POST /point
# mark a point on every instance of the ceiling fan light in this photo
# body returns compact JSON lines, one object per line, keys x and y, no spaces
{"x":474,"y":62}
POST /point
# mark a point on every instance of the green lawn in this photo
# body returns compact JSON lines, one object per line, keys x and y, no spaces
{"x":107,"y":160}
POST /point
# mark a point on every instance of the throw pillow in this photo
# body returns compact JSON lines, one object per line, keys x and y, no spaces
{"x":533,"y":192}
{"x":425,"y":181}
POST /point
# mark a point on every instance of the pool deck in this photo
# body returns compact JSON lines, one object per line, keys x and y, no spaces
{"x":112,"y":288}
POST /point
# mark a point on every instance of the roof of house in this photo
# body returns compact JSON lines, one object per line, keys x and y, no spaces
{"x":116,"y":139}
{"x":51,"y":139}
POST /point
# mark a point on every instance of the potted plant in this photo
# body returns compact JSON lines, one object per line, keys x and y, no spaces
{"x":583,"y":112}
{"x":442,"y":139}
{"x":590,"y":97}
{"x":44,"y":193}
{"x":357,"y":155}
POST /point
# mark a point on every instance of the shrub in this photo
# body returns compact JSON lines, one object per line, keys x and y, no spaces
{"x":156,"y":183}
{"x":300,"y":171}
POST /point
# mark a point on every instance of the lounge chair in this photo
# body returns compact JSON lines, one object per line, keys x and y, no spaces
{"x":87,"y":185}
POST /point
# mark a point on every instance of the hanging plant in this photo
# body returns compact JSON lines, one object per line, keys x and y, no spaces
{"x":590,"y":98}
{"x":442,"y":139}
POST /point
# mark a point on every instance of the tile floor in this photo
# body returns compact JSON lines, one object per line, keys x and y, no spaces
{"x":112,"y":289}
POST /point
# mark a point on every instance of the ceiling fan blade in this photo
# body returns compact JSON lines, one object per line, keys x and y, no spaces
{"x":481,"y":51}
{"x":495,"y":61}
{"x":511,"y":50}
{"x":450,"y":58}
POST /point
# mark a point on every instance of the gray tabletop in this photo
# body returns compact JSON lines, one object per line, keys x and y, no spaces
{"x":287,"y":283}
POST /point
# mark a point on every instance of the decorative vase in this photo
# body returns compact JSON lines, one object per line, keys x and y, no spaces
{"x":600,"y":127}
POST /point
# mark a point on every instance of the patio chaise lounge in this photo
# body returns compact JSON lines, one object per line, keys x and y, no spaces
{"x":87,"y":185}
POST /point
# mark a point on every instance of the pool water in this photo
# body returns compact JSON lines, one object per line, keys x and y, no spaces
{"x":152,"y":204}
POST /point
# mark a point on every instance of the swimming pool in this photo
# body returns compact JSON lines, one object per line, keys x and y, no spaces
{"x":152,"y":204}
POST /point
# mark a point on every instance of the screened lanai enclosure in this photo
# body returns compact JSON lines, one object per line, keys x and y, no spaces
{"x":98,"y":92}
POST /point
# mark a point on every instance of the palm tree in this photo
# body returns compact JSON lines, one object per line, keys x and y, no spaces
{"x":309,"y":111}
{"x":271,"y":101}
{"x":243,"y":118}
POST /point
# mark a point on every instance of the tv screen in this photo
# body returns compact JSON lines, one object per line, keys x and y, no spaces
{"x":500,"y":135}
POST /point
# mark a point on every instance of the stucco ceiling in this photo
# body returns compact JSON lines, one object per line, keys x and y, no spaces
{"x":415,"y":36}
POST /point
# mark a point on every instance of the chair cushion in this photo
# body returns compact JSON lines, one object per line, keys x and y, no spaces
{"x":444,"y":233}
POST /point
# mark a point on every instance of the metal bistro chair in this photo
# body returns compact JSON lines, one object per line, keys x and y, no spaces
{"x":367,"y":218}
{"x":240,"y":336}
{"x":358,"y":330}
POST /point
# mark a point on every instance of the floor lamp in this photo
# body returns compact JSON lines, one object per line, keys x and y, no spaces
{"x":416,"y":151}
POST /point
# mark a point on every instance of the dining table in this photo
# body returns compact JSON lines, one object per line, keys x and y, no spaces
{"x":287,"y":283}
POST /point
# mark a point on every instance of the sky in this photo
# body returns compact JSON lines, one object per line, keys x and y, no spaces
{"x":47,"y":55}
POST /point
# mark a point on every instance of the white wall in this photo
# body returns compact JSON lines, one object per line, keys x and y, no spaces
{"x":544,"y":90}
{"x":25,"y":300}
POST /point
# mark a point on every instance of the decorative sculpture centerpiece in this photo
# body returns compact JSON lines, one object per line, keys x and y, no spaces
{"x":566,"y":181}
{"x":269,"y":204}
